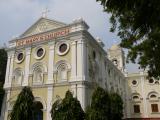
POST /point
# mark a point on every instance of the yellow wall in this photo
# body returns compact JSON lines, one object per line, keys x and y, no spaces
{"x":60,"y":91}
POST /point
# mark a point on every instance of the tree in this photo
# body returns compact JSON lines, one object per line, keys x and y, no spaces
{"x":116,"y":107}
{"x":3,"y":63}
{"x":138,"y":25}
{"x":23,"y":108}
{"x":105,"y":106}
{"x":2,"y":92}
{"x":56,"y":109}
{"x":99,"y":109}
{"x":67,"y":109}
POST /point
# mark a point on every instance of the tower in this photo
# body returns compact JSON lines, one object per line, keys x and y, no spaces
{"x":116,"y":55}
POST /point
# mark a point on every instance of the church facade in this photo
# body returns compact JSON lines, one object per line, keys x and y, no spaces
{"x":52,"y":57}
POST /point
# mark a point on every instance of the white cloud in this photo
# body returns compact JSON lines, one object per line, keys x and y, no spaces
{"x":18,"y":15}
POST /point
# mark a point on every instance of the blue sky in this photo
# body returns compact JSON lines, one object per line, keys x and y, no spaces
{"x":17,"y":15}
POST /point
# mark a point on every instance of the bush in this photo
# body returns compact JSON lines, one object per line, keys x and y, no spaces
{"x":67,"y":109}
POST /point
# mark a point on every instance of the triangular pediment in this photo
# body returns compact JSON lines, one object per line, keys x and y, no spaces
{"x":42,"y":25}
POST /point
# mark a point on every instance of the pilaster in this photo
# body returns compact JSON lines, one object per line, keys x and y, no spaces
{"x":81,"y":60}
{"x":51,"y":62}
{"x":74,"y":60}
{"x":49,"y":102}
{"x":11,"y":68}
{"x":7,"y":71}
{"x":27,"y":66}
{"x":145,"y":111}
{"x":7,"y":105}
{"x":81,"y":95}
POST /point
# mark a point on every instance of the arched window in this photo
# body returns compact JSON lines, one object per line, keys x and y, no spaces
{"x":38,"y":70}
{"x":153,"y":100}
{"x":62,"y":71}
{"x":38,"y":114}
{"x":94,"y":55}
{"x":153,"y":96}
{"x":38,"y":75}
{"x":151,"y":80}
{"x":18,"y":76}
{"x":115,"y":62}
{"x":135,"y":97}
{"x":157,"y":82}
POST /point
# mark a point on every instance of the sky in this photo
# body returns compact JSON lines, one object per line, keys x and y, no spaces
{"x":16,"y":16}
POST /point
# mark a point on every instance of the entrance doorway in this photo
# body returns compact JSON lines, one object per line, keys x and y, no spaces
{"x":38,"y":115}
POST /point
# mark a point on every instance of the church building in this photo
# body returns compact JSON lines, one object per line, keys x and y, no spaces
{"x":52,"y":57}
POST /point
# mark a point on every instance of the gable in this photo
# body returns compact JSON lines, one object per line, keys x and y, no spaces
{"x":42,"y":25}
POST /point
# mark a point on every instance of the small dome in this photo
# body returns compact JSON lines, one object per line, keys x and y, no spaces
{"x":115,"y":47}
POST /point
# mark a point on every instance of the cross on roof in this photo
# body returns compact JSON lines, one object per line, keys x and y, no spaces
{"x":45,"y":12}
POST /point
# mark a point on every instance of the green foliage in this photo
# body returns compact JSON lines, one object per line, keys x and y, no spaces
{"x":99,"y":109}
{"x":138,"y":25}
{"x":3,"y":63}
{"x":67,"y":109}
{"x":23,"y":108}
{"x":116,"y":107}
{"x":105,"y":106}
{"x":2,"y":92}
{"x":56,"y":110}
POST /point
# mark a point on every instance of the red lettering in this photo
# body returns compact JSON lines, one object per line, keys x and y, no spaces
{"x":27,"y":41}
{"x":42,"y":37}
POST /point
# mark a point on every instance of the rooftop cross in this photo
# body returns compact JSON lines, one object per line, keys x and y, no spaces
{"x":45,"y":12}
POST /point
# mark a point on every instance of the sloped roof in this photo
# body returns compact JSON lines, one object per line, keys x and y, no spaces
{"x":42,"y":25}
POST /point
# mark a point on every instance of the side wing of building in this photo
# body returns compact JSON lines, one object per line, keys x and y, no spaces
{"x":143,"y":99}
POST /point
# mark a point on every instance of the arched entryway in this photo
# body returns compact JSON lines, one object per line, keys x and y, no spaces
{"x":38,"y":114}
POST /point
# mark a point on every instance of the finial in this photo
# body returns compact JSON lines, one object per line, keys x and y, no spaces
{"x":45,"y":12}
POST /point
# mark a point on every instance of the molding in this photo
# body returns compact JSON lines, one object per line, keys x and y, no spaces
{"x":62,"y":62}
{"x":19,"y":61}
{"x":36,"y":50}
{"x":39,"y":64}
{"x":58,"y":46}
{"x":27,"y":63}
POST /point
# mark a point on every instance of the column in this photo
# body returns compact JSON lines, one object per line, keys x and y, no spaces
{"x":81,"y":95}
{"x":7,"y":105}
{"x":7,"y":71}
{"x":11,"y":68}
{"x":84,"y":60}
{"x":143,"y":96}
{"x":51,"y":62}
{"x":81,"y":60}
{"x":74,"y":60}
{"x":49,"y":102}
{"x":27,"y":66}
{"x":128,"y":99}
